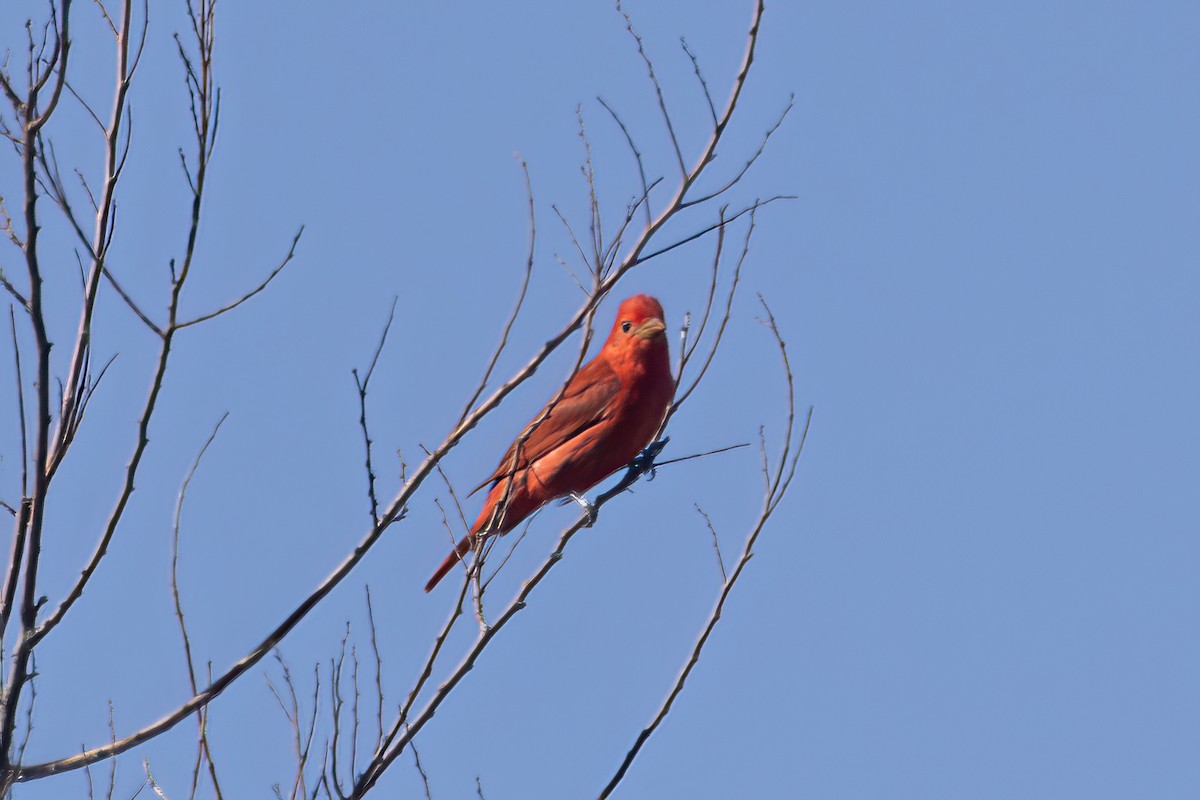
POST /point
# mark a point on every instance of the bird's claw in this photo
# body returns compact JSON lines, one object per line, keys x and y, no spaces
{"x":588,"y":508}
{"x":644,"y":461}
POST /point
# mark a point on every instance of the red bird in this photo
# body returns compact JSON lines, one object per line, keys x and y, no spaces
{"x":610,"y":411}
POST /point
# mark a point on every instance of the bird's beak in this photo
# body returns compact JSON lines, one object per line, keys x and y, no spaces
{"x":650,"y":329}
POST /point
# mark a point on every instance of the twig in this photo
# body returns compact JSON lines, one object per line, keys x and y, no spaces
{"x":203,"y":750}
{"x":21,"y":517}
{"x":716,"y":542}
{"x":491,"y":365}
{"x":712,"y":350}
{"x":685,"y":351}
{"x":575,"y":242}
{"x":378,"y":667}
{"x":426,"y":671}
{"x":420,"y":770}
{"x":712,"y":109}
{"x":662,"y":103}
{"x":102,"y":231}
{"x":637,"y":155}
{"x":362,"y":410}
{"x":710,"y":228}
{"x":287,"y":259}
{"x":595,"y":226}
{"x":131,"y":303}
{"x":150,"y":779}
{"x":660,"y":464}
{"x":20,"y":298}
{"x":750,"y":161}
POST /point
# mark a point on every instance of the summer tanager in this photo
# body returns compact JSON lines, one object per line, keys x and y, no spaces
{"x":610,"y":410}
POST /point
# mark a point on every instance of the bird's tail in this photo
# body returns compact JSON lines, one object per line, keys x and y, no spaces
{"x":460,"y":550}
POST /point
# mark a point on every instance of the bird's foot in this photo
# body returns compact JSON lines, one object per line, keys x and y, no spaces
{"x":643,"y":462}
{"x":588,"y":508}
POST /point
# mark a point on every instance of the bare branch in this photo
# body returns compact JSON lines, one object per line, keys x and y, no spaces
{"x":749,"y":162}
{"x":203,"y":751}
{"x":286,"y":260}
{"x":637,"y":155}
{"x":570,"y":272}
{"x":712,"y":350}
{"x":84,"y":103}
{"x":24,"y":426}
{"x":712,"y":109}
{"x":662,"y":103}
{"x":660,"y":464}
{"x":20,"y":298}
{"x":787,"y":468}
{"x":378,"y":667}
{"x":420,"y":770}
{"x":487,"y":373}
{"x":104,"y":13}
{"x":574,"y":241}
{"x":716,"y":543}
{"x":686,"y":352}
{"x":598,"y":265}
{"x":62,"y":45}
{"x":757,"y":204}
{"x":426,"y":671}
{"x":362,"y":409}
{"x":101,"y":236}
{"x":133,"y":306}
{"x":150,"y":780}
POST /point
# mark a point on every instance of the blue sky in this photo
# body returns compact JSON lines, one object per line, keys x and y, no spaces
{"x":983,"y":582}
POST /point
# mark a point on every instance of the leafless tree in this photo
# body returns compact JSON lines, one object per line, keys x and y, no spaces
{"x":344,"y":740}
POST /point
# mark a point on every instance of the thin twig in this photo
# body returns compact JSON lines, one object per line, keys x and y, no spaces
{"x":750,"y":161}
{"x":287,"y":259}
{"x":658,"y":464}
{"x":131,"y":303}
{"x":712,"y":109}
{"x":20,"y":298}
{"x":662,"y":102}
{"x":362,"y":385}
{"x":24,"y":427}
{"x":203,"y":750}
{"x":512,"y":318}
{"x":378,"y":667}
{"x":716,"y":343}
{"x":637,"y":155}
{"x":757,"y":204}
{"x":420,"y":770}
{"x":716,"y":542}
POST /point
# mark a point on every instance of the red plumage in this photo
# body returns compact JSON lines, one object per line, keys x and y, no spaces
{"x":610,"y":410}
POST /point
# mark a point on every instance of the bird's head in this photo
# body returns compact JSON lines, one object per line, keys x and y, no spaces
{"x":639,"y":324}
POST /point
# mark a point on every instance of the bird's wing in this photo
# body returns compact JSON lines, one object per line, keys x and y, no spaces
{"x":587,"y":401}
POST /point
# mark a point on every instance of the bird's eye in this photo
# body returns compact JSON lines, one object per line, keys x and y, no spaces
{"x":625,"y":326}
